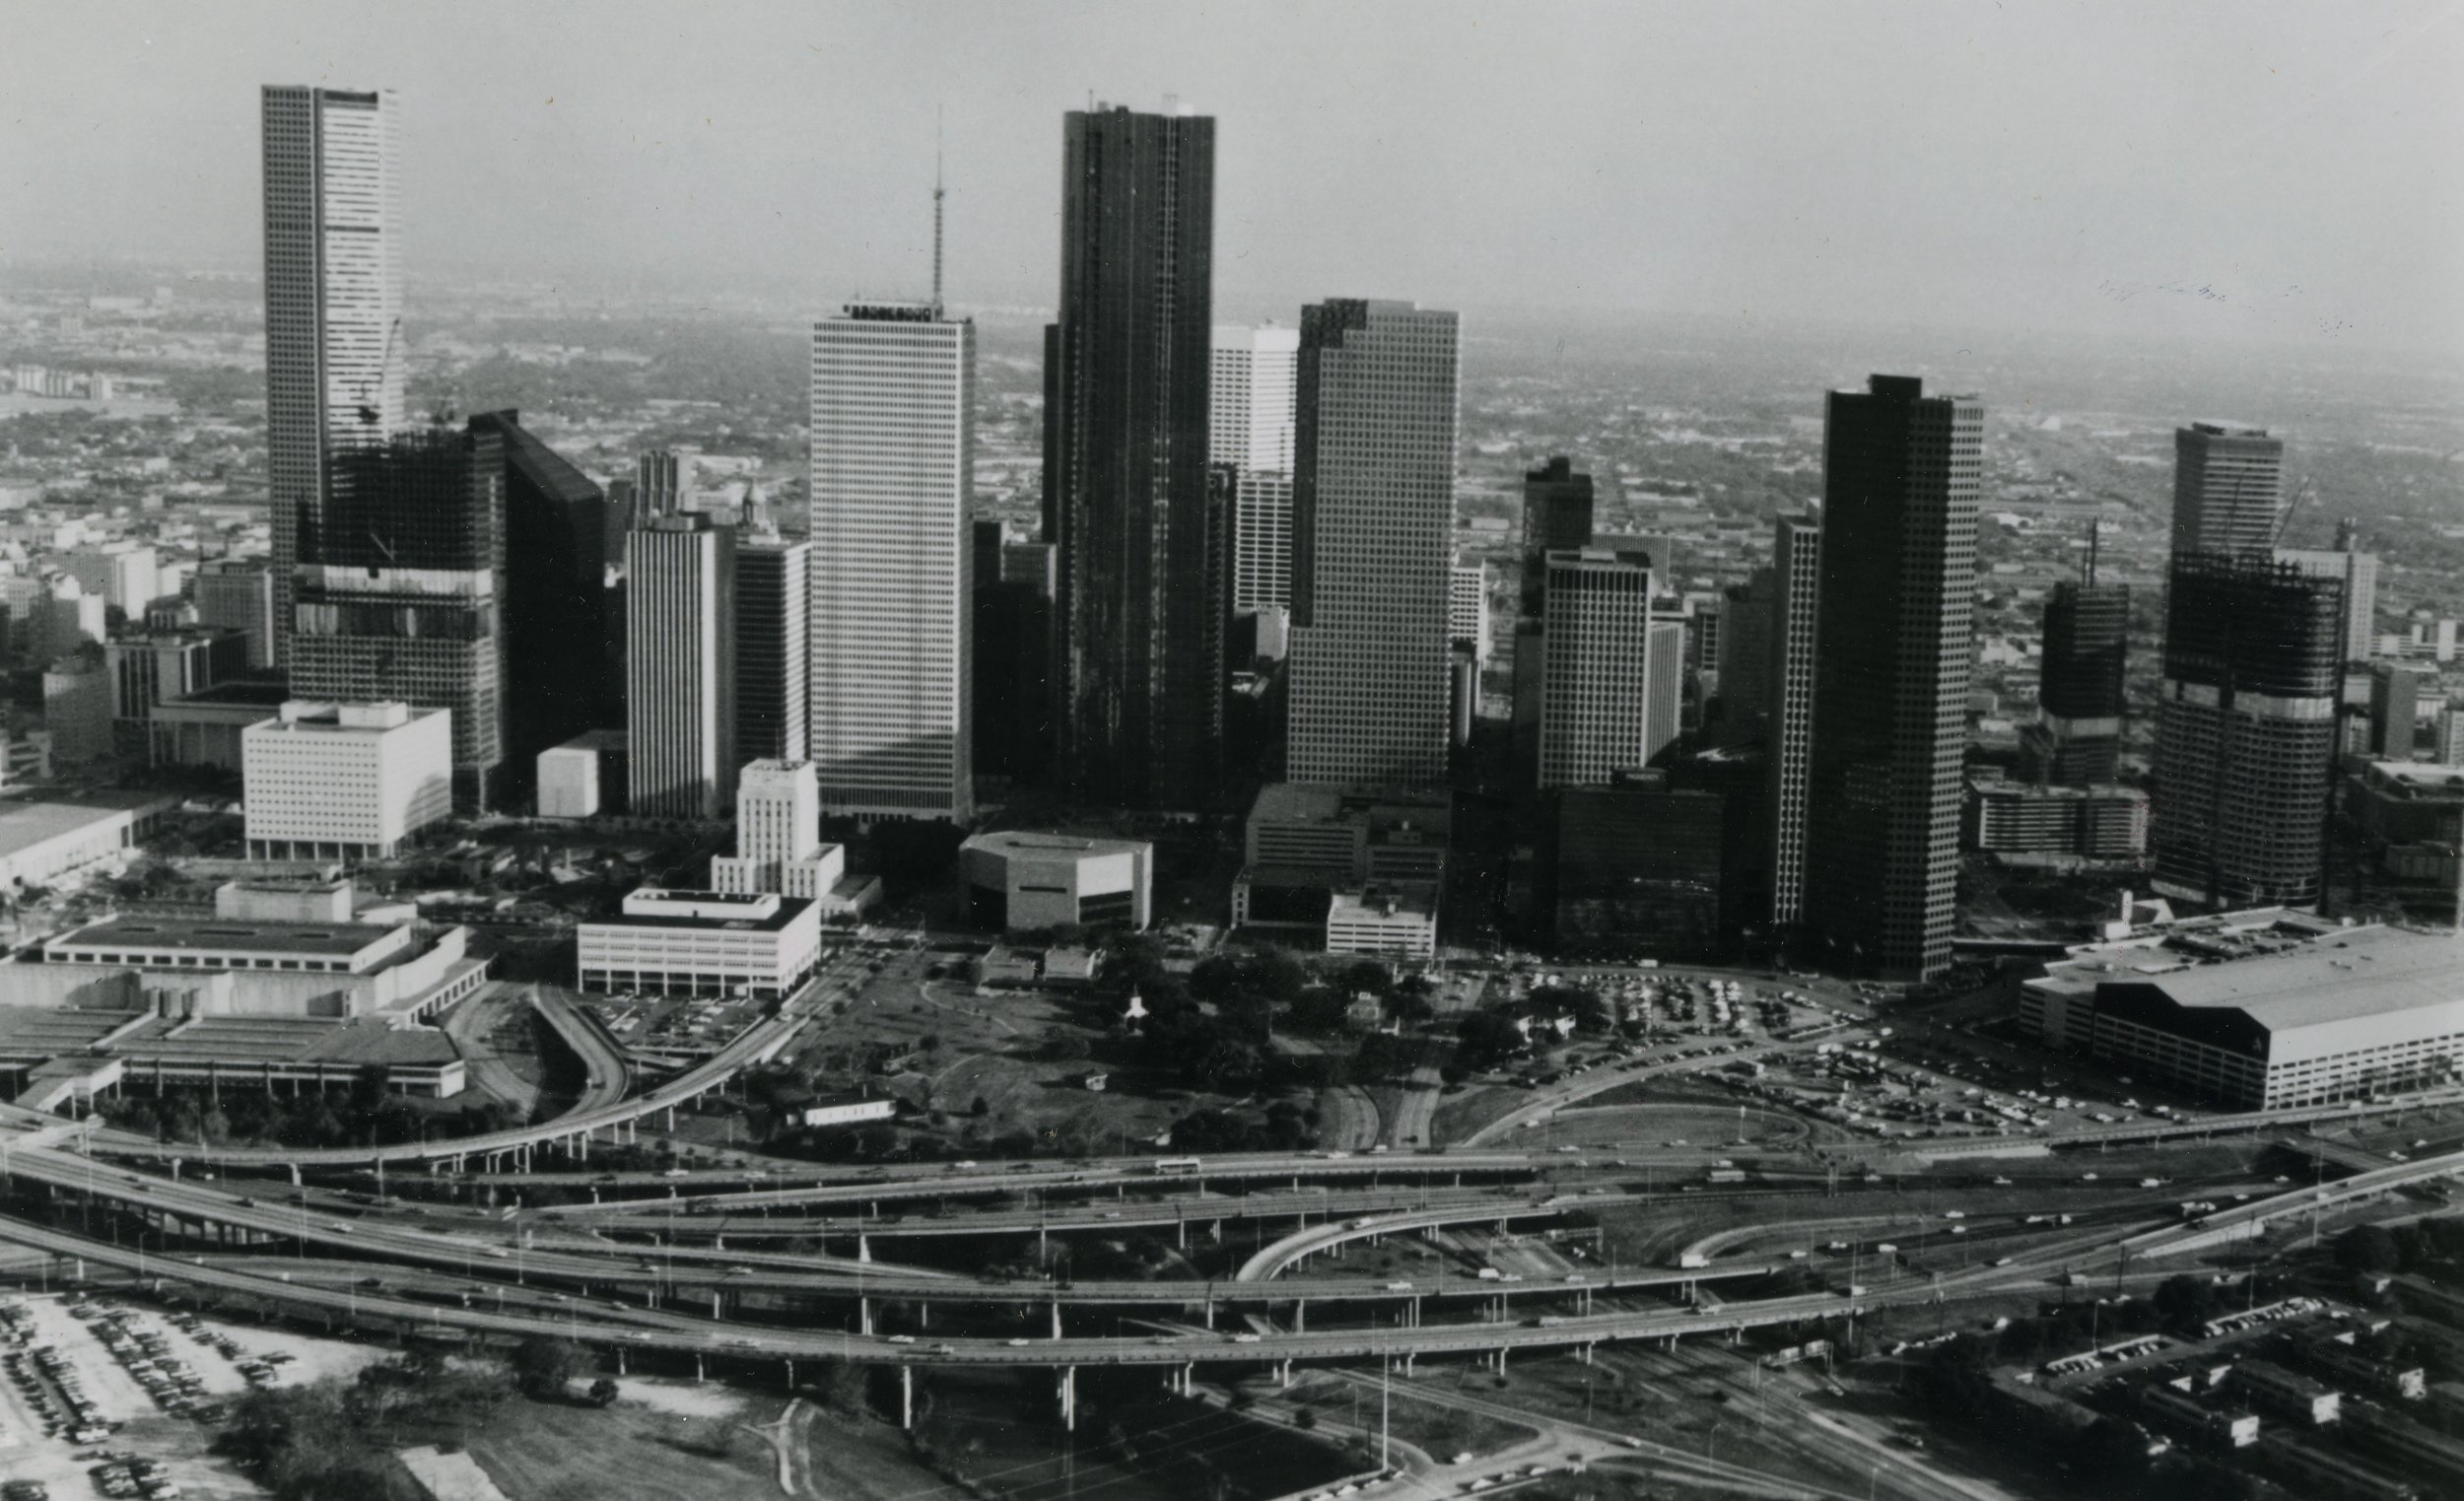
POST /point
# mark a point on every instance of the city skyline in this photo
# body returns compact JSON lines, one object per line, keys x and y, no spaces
{"x":2059,"y":177}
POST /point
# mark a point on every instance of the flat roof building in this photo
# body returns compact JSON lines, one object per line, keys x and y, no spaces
{"x":702,"y":944}
{"x":2092,"y":823}
{"x":1394,"y":921}
{"x":41,"y":841}
{"x":345,"y":782}
{"x":2271,"y":1013}
{"x":202,"y":728}
{"x":189,"y":967}
{"x":1019,"y":881}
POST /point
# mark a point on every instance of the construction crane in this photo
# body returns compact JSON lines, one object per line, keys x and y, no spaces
{"x":2283,"y":519}
{"x":369,"y":415}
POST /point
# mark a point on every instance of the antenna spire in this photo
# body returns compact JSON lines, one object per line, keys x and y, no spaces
{"x":937,"y":212}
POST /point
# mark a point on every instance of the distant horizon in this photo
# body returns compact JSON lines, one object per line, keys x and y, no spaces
{"x":2231,"y":173}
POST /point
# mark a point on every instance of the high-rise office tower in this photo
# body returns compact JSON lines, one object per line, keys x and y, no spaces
{"x":1013,"y":601}
{"x":1557,"y":517}
{"x":1467,"y":608}
{"x":2228,"y":489}
{"x":2395,"y":708}
{"x":1896,"y":618}
{"x":238,"y":596}
{"x":774,"y":645}
{"x":555,"y":605}
{"x":1745,"y":654}
{"x":893,"y":488}
{"x":2077,"y":739}
{"x":2245,"y":730}
{"x":333,"y":300}
{"x":1373,"y":517}
{"x":1127,"y":493}
{"x":680,"y":668}
{"x":400,"y":587}
{"x":1595,"y":693}
{"x":662,"y":481}
{"x":1250,"y":402}
{"x":778,"y":844}
{"x":1797,"y":590}
{"x":1261,"y":540}
{"x":1664,"y":711}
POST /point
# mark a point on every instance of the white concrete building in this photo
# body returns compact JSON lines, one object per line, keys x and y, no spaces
{"x":1018,"y":881}
{"x":779,"y":844}
{"x":680,"y":668}
{"x":1396,"y":923}
{"x":891,"y":496}
{"x":1597,"y":680}
{"x":345,"y":782}
{"x":1373,"y":564}
{"x":1467,"y":608}
{"x":702,"y":944}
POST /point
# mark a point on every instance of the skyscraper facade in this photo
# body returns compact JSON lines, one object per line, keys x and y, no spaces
{"x":1557,"y":517}
{"x":1895,"y":623}
{"x":1596,"y":694}
{"x":2077,"y":739}
{"x":1797,"y":590}
{"x":333,"y":299}
{"x":1126,"y":492}
{"x":1467,"y":608}
{"x":662,"y":481}
{"x":773,"y":645}
{"x":1373,"y":516}
{"x":1250,"y":396}
{"x":1261,"y":540}
{"x":1743,"y":661}
{"x":680,"y":668}
{"x":399,"y":589}
{"x":238,"y":596}
{"x":2245,"y":730}
{"x":892,"y":618}
{"x":555,"y":601}
{"x":2228,"y":488}
{"x":2359,"y":573}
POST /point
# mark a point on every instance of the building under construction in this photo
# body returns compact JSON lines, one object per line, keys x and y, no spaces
{"x":2245,"y":730}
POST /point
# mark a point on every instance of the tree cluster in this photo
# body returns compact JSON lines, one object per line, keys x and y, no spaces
{"x":337,"y":1438}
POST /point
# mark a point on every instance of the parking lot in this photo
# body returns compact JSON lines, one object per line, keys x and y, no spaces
{"x":146,"y":1381}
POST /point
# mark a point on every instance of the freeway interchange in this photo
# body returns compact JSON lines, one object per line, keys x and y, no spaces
{"x":767,"y":1266}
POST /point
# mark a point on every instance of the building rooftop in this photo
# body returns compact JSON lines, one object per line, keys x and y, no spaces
{"x":326,"y":940}
{"x":241,"y":694}
{"x":2360,"y":972}
{"x":1024,"y":842}
{"x":24,"y":825}
{"x":763,"y":912}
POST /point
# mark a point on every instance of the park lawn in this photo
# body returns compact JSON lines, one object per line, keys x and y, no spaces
{"x":550,"y":1452}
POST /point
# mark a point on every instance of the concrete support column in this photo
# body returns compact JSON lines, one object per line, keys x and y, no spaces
{"x":907,"y":1397}
{"x":863,"y":1248}
{"x":1070,"y":1398}
{"x":1283,"y":1372}
{"x":1210,"y":1313}
{"x":1408,"y":1357}
{"x":1300,"y":1316}
{"x":696,"y":1369}
{"x":1057,"y":1317}
{"x":863,"y":1316}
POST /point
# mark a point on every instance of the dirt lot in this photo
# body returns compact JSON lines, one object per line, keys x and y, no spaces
{"x":662,"y":1441}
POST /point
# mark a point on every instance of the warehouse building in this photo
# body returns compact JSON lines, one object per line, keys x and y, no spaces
{"x":1019,"y":882}
{"x":2279,"y":1012}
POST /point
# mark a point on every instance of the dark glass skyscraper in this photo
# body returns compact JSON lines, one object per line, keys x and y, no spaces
{"x":1137,"y":658}
{"x":556,"y":598}
{"x":2245,"y":730}
{"x":1895,"y":626}
{"x":2076,"y":738}
{"x":1557,"y":517}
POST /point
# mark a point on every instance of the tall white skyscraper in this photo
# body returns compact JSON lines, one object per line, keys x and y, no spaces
{"x":893,"y":461}
{"x":1467,"y":608}
{"x":1797,"y":577}
{"x":680,"y":663}
{"x":333,"y":298}
{"x":1597,"y":704}
{"x":1373,"y":517}
{"x":1250,"y":402}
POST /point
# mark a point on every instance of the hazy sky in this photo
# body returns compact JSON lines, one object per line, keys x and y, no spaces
{"x":2287,"y":171}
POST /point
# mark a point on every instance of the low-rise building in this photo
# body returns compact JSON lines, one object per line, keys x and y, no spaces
{"x":1006,"y":966}
{"x":1304,"y":845}
{"x":185,"y":966}
{"x":702,"y":944}
{"x":2411,"y":816}
{"x":849,"y":1110}
{"x":2287,"y":1012}
{"x":204,"y":727}
{"x":584,"y":777}
{"x":1381,"y":921}
{"x":2296,"y":1396}
{"x":44,"y":842}
{"x":1019,"y":881}
{"x":2092,"y":823}
{"x":345,"y":782}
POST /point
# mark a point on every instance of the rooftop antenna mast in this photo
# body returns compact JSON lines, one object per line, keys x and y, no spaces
{"x":937,"y":195}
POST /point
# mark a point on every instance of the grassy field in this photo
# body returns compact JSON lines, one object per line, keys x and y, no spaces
{"x":548,"y":1451}
{"x":1439,"y":1431}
